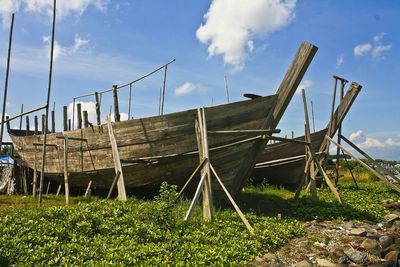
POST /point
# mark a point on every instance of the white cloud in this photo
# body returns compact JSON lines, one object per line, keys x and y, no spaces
{"x":340,"y":60}
{"x":377,"y":49}
{"x":306,"y":84}
{"x":362,"y":49}
{"x":188,"y":88}
{"x":7,"y":7}
{"x":366,"y":142}
{"x":45,"y":7}
{"x":61,"y":50}
{"x":231,"y":26}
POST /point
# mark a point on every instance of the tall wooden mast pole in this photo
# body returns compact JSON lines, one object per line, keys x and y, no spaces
{"x":47,"y":105}
{"x":6,"y":80}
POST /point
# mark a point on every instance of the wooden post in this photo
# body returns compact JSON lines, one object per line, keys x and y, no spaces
{"x":312,"y":114}
{"x":88,"y":189}
{"x":69,"y":125}
{"x":201,"y":134}
{"x":3,"y":113}
{"x":117,"y":116}
{"x":377,"y":174}
{"x":113,"y":184}
{"x":27,"y":124}
{"x":66,"y":183}
{"x":342,"y":84}
{"x":368,"y":157}
{"x":47,"y":103}
{"x":34,"y":187}
{"x":159,"y":101}
{"x":96,"y":94}
{"x":79,"y":115}
{"x":44,"y":124}
{"x":308,"y":138}
{"x":36,"y":121}
{"x":292,"y":134}
{"x":85,"y":119}
{"x":53,"y":121}
{"x":25,"y":179}
{"x":65,"y":118}
{"x":58,"y":189}
{"x":117,"y":162}
{"x":48,"y":188}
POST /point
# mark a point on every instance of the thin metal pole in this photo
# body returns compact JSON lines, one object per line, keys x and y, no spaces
{"x":73,"y":114}
{"x":129,"y":101}
{"x":226,"y":90}
{"x":163,"y":91}
{"x":6,"y":80}
{"x":159,"y":101}
{"x":47,"y":105}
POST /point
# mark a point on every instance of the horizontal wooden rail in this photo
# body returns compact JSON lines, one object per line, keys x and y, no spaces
{"x":257,"y":132}
{"x":282,"y":139}
{"x":23,"y":114}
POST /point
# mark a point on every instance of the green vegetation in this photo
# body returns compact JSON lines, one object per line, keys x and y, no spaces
{"x":137,"y":232}
{"x":143,"y":232}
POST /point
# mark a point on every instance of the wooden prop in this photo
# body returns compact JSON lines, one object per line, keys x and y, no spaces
{"x":85,"y":119}
{"x":47,"y":104}
{"x":381,"y":168}
{"x":342,"y":85}
{"x":66,"y":182}
{"x":206,"y":168}
{"x":65,"y":118}
{"x":53,"y":121}
{"x":27,"y":125}
{"x":79,"y":115}
{"x":34,"y":183}
{"x":58,"y":189}
{"x":98,"y":118}
{"x":117,"y":116}
{"x":20,"y":119}
{"x":129,"y":101}
{"x":88,"y":190}
{"x":3,"y":113}
{"x":117,"y":175}
{"x":163,"y":90}
{"x":117,"y":162}
{"x":377,"y":174}
{"x":226,"y":90}
{"x":36,"y":122}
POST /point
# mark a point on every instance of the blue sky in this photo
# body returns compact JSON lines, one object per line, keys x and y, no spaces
{"x":100,"y":43}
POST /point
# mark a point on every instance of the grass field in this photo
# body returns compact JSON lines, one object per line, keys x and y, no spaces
{"x":152,"y":232}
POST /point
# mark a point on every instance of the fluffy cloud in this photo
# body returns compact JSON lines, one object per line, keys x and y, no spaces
{"x":188,"y":88}
{"x":365,"y":142}
{"x":362,"y":49}
{"x":306,"y":84}
{"x":376,"y":49}
{"x":231,"y":26}
{"x":61,"y":50}
{"x":45,"y":7}
{"x":340,"y":60}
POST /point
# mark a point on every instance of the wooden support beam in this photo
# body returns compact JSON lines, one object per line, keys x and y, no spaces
{"x":117,"y":162}
{"x":198,"y":168}
{"x":226,"y":90}
{"x":79,"y":115}
{"x":66,"y":181}
{"x":163,"y":90}
{"x":308,"y":138}
{"x":69,"y":125}
{"x":341,"y":95}
{"x":377,"y":174}
{"x":34,"y":183}
{"x":27,"y":124}
{"x":116,"y":177}
{"x":88,"y":189}
{"x":3,"y":113}
{"x":241,"y":215}
{"x":117,"y":116}
{"x":53,"y":121}
{"x":368,"y":157}
{"x":58,"y":189}
{"x":44,"y":124}
{"x":85,"y":119}
{"x":98,"y":118}
{"x":129,"y":101}
{"x":65,"y":118}
{"x":48,"y":187}
{"x":36,"y":122}
{"x":20,"y":119}
{"x":195,"y":197}
{"x":255,"y":132}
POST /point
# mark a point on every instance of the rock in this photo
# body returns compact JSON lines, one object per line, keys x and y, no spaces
{"x":358,"y":232}
{"x":385,"y":241}
{"x":325,"y":263}
{"x":392,"y":247}
{"x":373,"y":235}
{"x":375,"y":252}
{"x":259,"y":261}
{"x":392,"y":256}
{"x":396,"y":225}
{"x":368,"y":244}
{"x":337,"y":254}
{"x":269,"y":257}
{"x":304,"y":263}
{"x":356,"y":256}
{"x":348,"y":225}
{"x":391,"y":218}
{"x":304,"y":244}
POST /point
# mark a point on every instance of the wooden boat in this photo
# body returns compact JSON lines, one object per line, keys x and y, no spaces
{"x":164,"y":148}
{"x":283,"y":163}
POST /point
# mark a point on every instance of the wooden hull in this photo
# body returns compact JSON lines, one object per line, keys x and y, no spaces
{"x":283,"y":163}
{"x":161,"y":148}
